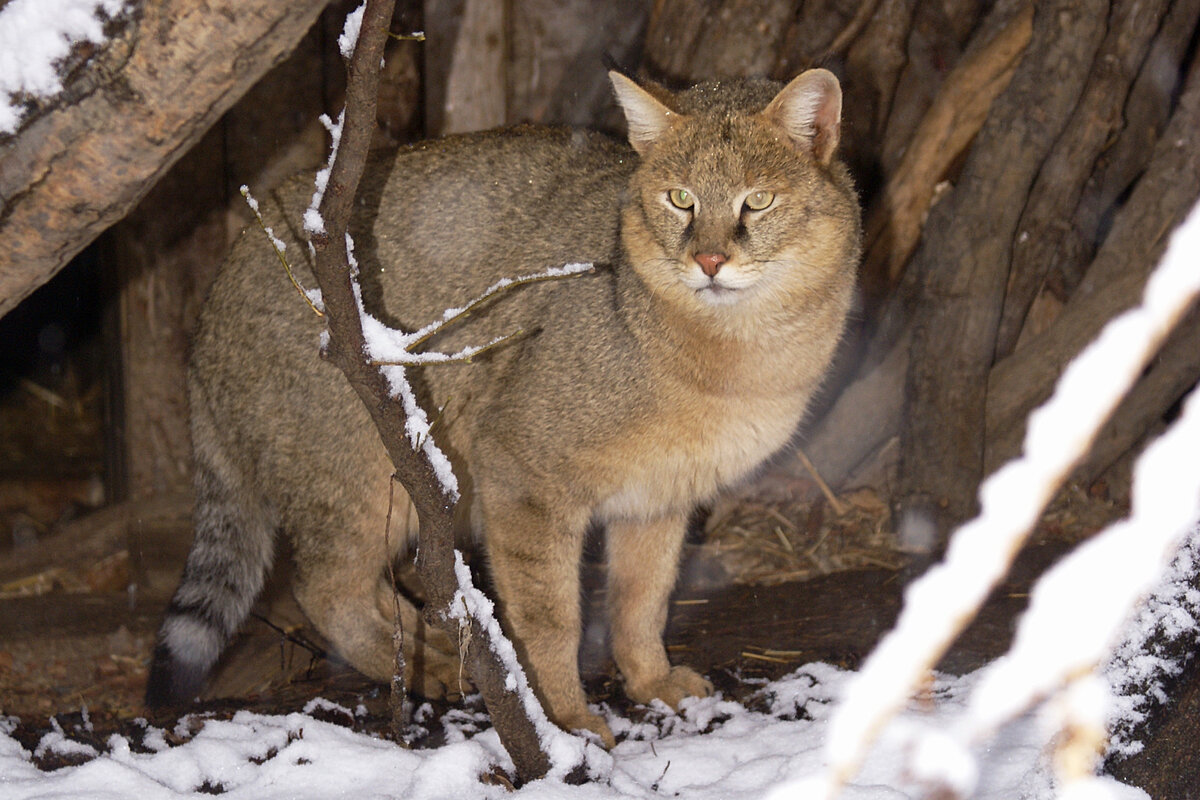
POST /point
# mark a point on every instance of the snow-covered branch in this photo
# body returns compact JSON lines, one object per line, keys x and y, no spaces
{"x":355,"y":342}
{"x":940,"y":604}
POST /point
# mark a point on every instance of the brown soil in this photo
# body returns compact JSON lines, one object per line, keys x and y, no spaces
{"x":773,"y":585}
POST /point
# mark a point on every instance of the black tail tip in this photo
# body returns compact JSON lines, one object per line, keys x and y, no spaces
{"x":172,"y":682}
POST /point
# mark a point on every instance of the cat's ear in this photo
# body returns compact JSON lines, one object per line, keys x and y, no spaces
{"x":809,"y":109}
{"x":647,"y":117}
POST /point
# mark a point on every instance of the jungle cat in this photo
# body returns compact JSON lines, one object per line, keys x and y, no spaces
{"x":725,"y":236}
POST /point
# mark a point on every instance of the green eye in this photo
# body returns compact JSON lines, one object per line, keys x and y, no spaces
{"x":757,"y":201}
{"x":681,"y":198}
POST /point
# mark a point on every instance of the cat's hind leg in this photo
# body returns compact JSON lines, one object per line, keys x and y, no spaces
{"x":342,"y":584}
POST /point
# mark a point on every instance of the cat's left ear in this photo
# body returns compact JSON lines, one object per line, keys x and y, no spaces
{"x":809,"y":109}
{"x":646,"y":116}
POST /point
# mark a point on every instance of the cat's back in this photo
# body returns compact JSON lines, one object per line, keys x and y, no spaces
{"x":454,"y":215}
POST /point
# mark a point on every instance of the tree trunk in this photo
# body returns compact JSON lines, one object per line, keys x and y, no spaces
{"x":347,"y":348}
{"x":1112,"y":284}
{"x":962,"y":266}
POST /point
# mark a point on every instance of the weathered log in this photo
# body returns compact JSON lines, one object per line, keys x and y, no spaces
{"x":1146,"y":113}
{"x":75,"y":170}
{"x":1113,"y":283}
{"x":963,"y":261}
{"x":810,"y":32}
{"x":865,"y":417}
{"x":874,"y":61}
{"x":1167,"y":768}
{"x":167,"y":250}
{"x":1095,"y":122}
{"x":867,"y":412}
{"x":476,"y":86}
{"x":942,"y":35}
{"x":556,"y":62}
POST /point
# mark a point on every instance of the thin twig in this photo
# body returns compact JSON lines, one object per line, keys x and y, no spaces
{"x":250,"y":201}
{"x":465,"y":356}
{"x":499,"y":288}
{"x":399,"y":692}
{"x":861,"y":17}
{"x":834,"y":503}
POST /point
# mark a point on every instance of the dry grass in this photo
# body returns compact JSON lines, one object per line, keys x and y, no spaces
{"x":767,"y":538}
{"x":765,"y":541}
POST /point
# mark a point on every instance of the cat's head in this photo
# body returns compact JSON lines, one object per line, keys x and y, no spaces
{"x":738,"y":206}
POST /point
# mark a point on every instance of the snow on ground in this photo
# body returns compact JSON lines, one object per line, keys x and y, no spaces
{"x":715,"y":749}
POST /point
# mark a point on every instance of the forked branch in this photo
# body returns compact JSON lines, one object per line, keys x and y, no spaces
{"x":433,"y":502}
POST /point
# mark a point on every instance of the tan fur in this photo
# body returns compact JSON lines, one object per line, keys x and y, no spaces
{"x":631,"y":395}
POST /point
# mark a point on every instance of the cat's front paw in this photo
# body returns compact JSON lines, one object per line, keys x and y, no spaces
{"x":671,"y":688}
{"x":586,"y":721}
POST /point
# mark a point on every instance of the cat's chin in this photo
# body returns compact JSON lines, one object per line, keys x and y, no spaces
{"x":717,"y":295}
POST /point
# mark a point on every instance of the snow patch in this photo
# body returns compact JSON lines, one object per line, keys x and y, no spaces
{"x":349,"y":36}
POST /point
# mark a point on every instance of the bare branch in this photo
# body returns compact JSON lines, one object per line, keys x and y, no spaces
{"x":431,"y":496}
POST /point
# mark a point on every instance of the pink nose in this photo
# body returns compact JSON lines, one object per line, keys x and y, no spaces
{"x":710,"y":262}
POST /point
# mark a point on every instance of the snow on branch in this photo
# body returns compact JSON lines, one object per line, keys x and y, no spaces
{"x":314,"y":224}
{"x":352,"y":338}
{"x":389,"y":346}
{"x":392,"y":350}
{"x":1106,"y":576}
{"x":565,"y":751}
{"x":350,"y":29}
{"x":311,"y":296}
{"x":940,"y":604}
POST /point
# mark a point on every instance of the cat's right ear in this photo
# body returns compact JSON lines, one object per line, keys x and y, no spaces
{"x":809,"y":109}
{"x":646,"y":116}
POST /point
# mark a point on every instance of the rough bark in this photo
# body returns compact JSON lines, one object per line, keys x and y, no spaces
{"x":867,"y":413}
{"x":435,"y":561}
{"x":963,"y":265}
{"x":691,"y":41}
{"x":167,"y":250}
{"x":865,"y":417}
{"x":1146,"y":113}
{"x":557,"y":69}
{"x":896,"y":219}
{"x":1113,"y":283}
{"x":79,"y":167}
{"x":166,"y":253}
{"x":939,"y":37}
{"x":875,"y":60}
{"x":476,"y":87}
{"x":1168,"y":768}
{"x":1093,"y":126}
{"x":1169,"y":377}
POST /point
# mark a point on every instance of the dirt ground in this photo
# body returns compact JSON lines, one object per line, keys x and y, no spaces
{"x":768,"y":585}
